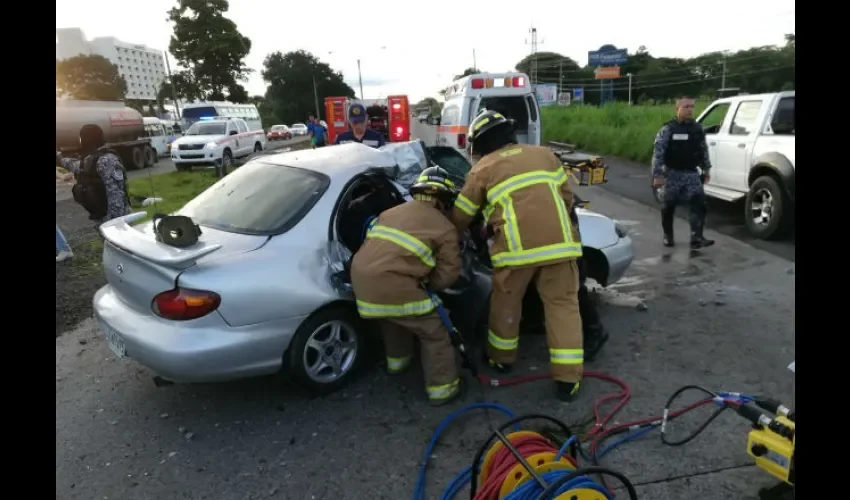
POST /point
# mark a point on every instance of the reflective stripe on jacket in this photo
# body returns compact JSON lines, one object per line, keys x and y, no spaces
{"x":404,"y":246}
{"x":524,"y":195}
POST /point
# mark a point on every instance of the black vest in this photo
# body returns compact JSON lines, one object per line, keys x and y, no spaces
{"x":684,"y":149}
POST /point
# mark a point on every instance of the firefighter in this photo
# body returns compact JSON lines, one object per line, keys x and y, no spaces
{"x":406,"y":247}
{"x":526,"y":199}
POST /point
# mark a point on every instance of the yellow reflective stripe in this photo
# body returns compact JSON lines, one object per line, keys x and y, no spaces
{"x":537,"y":255}
{"x":562,"y":213}
{"x":481,"y":124}
{"x":404,"y":240}
{"x":566,"y":356}
{"x":510,"y":152}
{"x":511,"y":225}
{"x":398,"y":364}
{"x":502,"y":343}
{"x":443,"y":391}
{"x":506,"y":187}
{"x":466,"y":206}
{"x":416,"y":308}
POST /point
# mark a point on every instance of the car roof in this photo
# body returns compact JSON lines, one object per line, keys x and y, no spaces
{"x":339,"y":161}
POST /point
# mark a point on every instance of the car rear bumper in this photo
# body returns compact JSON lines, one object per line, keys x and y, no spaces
{"x":619,"y":257}
{"x":202,"y":350}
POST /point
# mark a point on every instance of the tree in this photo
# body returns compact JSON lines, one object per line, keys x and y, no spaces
{"x":467,"y":72}
{"x":237,"y":93}
{"x":210,"y":48}
{"x":291,"y":76}
{"x":550,"y":66}
{"x":266,"y":113}
{"x":431,"y":104}
{"x":165,"y":93}
{"x":90,"y":78}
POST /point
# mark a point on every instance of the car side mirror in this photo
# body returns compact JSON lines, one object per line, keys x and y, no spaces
{"x":233,"y":132}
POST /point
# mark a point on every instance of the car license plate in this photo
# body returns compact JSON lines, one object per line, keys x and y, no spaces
{"x":116,"y":343}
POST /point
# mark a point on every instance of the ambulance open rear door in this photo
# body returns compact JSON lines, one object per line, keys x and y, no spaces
{"x":398,"y":109}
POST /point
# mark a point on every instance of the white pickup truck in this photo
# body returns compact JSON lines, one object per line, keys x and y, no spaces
{"x":752,"y":146}
{"x":208,"y":142}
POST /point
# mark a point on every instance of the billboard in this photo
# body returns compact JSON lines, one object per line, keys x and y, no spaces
{"x":578,"y":94}
{"x":564,"y":99}
{"x":547,"y":93}
{"x":607,"y":72}
{"x":607,"y":55}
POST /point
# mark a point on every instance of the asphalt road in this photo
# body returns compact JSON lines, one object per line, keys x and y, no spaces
{"x":632,"y":180}
{"x":119,"y":437}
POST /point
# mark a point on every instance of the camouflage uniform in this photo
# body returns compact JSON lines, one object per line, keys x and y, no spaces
{"x":681,"y":186}
{"x":111,"y":172}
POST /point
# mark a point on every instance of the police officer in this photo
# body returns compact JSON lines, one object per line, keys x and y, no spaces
{"x":679,"y":148}
{"x":359,"y":132}
{"x":525,"y":198}
{"x":405,"y":246}
{"x":101,"y":186}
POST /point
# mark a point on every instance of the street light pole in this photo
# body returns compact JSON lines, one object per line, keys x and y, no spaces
{"x":360,"y":77}
{"x":630,"y":88}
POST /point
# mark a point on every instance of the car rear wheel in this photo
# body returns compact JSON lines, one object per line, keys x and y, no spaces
{"x":327,"y":350}
{"x":768,"y":209}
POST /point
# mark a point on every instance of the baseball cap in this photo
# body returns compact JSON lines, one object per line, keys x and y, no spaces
{"x":357,"y":113}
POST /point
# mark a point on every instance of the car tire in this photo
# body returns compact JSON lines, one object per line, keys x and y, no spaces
{"x":773,"y":218}
{"x":258,"y":147}
{"x":334,"y":329}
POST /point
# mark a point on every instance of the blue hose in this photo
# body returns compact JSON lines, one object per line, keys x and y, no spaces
{"x":419,"y":490}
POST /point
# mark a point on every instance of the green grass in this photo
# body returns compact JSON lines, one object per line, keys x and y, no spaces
{"x":615,"y":129}
{"x":175,"y":189}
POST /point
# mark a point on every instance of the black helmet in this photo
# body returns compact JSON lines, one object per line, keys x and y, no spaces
{"x":434,"y":181}
{"x":484,"y":123}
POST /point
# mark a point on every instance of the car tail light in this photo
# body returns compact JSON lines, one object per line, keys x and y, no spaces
{"x":183,"y":304}
{"x":396,"y":106}
{"x":478,"y":83}
{"x":461,"y":141}
{"x":518,"y":81}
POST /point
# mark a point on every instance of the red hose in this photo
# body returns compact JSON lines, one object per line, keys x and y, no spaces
{"x":504,"y":461}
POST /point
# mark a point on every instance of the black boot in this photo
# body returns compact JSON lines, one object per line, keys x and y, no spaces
{"x":668,"y":240}
{"x":502,"y":368}
{"x":700,"y":242}
{"x":595,"y":337}
{"x":567,"y":391}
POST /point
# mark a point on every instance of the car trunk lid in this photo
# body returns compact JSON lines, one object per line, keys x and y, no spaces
{"x":138,"y":267}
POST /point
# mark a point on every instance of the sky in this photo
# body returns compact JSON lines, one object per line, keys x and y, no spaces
{"x":407,"y":51}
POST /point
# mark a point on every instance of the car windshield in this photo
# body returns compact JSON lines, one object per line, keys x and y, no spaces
{"x":207,"y":128}
{"x":299,"y":125}
{"x":258,"y":198}
{"x":279,"y":128}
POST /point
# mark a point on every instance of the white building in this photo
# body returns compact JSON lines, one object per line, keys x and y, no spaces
{"x":142,"y":67}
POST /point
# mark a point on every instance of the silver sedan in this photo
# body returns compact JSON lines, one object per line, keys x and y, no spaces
{"x":265,"y":287}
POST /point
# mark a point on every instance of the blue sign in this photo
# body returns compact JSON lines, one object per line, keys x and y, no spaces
{"x":578,"y":94}
{"x":547,"y":93}
{"x":607,"y":55}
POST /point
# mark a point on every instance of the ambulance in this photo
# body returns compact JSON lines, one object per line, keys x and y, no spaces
{"x":511,"y":94}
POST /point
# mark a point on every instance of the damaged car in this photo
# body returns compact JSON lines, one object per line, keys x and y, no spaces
{"x":265,"y":287}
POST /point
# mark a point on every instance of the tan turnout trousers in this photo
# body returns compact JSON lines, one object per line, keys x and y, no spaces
{"x":558,"y":286}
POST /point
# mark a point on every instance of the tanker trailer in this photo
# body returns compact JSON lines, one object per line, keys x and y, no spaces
{"x":123,"y":129}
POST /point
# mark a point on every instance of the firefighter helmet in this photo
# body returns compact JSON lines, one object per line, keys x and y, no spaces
{"x":434,"y":181}
{"x":484,"y":123}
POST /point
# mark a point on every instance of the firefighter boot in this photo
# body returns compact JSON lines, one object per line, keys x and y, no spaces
{"x":502,"y":368}
{"x":567,"y":391}
{"x":595,"y":337}
{"x":454,"y":396}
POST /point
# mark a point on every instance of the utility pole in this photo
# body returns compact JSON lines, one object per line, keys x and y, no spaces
{"x":474,"y":62}
{"x":723,"y":77}
{"x":171,"y":82}
{"x":560,"y":76}
{"x":630,"y":88}
{"x":360,"y":77}
{"x":316,"y":97}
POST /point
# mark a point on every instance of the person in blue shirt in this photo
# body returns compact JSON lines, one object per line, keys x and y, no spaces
{"x":359,"y":132}
{"x":317,"y":132}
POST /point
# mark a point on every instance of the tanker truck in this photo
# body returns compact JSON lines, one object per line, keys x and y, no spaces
{"x":123,"y":129}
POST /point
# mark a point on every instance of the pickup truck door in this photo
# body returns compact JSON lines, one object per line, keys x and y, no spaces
{"x":734,"y":148}
{"x":246,"y":146}
{"x":715,"y":122}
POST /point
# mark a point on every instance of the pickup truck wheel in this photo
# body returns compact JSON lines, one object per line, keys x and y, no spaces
{"x":150,"y":157}
{"x":258,"y":147}
{"x":226,"y":159}
{"x":768,"y":210}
